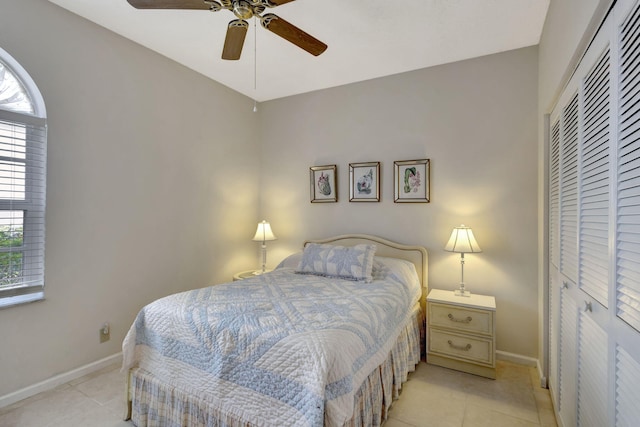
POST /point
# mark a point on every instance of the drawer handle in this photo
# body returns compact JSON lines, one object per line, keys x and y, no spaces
{"x":465,"y":320}
{"x":459,"y":347}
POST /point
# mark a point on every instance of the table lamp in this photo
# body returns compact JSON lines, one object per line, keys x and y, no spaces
{"x":463,"y":242}
{"x":263,"y":234}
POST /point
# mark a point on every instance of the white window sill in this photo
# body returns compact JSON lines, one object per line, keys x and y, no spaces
{"x":21,"y":299}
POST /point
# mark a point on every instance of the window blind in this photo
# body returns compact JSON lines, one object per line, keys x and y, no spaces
{"x":22,"y":206}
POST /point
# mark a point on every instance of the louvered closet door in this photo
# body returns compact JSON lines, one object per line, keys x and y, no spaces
{"x":569,"y":189}
{"x":626,"y":394}
{"x":581,"y":127}
{"x":554,"y":333}
{"x":625,"y":313}
{"x":594,"y":231}
{"x":554,"y":245}
{"x":594,"y":171}
{"x":567,"y":395}
{"x":628,"y":212}
{"x":592,"y":372}
{"x":594,"y":179}
{"x":563,"y":268}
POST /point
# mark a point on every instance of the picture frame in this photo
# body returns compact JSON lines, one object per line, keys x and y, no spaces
{"x":412,"y":181}
{"x":364,"y":182}
{"x":324,"y":185}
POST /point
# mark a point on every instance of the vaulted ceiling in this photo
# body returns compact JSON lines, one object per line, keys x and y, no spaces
{"x":366,"y":38}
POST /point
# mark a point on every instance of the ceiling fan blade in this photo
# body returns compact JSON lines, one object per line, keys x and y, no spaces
{"x":236,"y":31}
{"x":293,"y":34}
{"x":274,"y":3}
{"x":170,"y":4}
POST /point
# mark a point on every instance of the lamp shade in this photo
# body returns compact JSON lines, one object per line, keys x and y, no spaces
{"x":462,"y":241}
{"x":264,"y":233}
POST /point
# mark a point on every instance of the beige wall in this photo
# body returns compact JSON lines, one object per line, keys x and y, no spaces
{"x":569,"y":26}
{"x":150,"y":188}
{"x":152,"y":173}
{"x":475,"y":120}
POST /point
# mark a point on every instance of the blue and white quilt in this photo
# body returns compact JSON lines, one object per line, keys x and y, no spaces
{"x":279,"y":349}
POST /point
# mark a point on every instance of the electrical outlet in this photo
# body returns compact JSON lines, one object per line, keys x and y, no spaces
{"x":105,"y":332}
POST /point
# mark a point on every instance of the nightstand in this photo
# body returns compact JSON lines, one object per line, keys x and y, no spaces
{"x":246,"y":274}
{"x":461,"y":332}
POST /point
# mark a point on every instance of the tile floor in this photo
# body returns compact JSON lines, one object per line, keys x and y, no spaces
{"x":432,"y":397}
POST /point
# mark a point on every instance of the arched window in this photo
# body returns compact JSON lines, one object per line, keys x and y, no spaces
{"x":23,"y":151}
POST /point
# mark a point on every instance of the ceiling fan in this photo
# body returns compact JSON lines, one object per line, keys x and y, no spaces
{"x":237,"y":29}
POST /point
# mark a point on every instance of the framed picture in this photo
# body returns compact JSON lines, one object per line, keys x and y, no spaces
{"x":324,"y":186}
{"x":364,"y":182}
{"x":411,"y":181}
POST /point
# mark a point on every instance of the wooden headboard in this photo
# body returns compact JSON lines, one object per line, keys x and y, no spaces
{"x":416,"y":254}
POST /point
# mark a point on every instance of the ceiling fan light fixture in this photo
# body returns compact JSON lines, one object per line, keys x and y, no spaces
{"x":242,"y":9}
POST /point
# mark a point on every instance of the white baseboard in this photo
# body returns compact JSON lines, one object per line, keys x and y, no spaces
{"x":523,"y":360}
{"x":516,"y":358}
{"x":543,"y":379}
{"x":53,"y":382}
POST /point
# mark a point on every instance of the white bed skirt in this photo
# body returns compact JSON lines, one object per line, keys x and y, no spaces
{"x":157,"y":404}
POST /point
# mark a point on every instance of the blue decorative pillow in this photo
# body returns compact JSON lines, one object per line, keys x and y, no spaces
{"x":345,"y":262}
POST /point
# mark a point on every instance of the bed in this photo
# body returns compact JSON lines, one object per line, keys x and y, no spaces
{"x":327,"y":338}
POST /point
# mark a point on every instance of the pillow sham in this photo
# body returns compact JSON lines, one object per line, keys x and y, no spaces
{"x":345,"y":262}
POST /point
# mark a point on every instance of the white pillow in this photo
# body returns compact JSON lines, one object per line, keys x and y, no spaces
{"x":345,"y":262}
{"x":291,"y":261}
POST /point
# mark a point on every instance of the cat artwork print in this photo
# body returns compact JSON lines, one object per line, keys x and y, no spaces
{"x":323,"y":184}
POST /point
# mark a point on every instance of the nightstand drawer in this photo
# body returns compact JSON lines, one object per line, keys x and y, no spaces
{"x":461,"y":319}
{"x":461,"y":346}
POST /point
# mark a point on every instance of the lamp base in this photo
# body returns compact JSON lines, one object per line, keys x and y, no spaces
{"x":461,"y":293}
